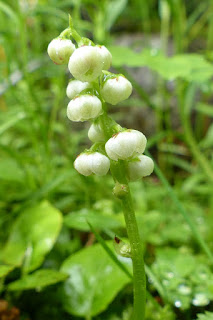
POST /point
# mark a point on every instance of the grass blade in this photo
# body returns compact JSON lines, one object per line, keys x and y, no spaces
{"x":184,"y":213}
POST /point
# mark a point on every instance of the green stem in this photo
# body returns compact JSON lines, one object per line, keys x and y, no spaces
{"x":139,"y":278}
{"x":118,"y":171}
{"x":165,"y":19}
{"x":179,"y":19}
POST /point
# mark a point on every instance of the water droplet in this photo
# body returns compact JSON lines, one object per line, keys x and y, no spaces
{"x":178,"y":304}
{"x":200,"y":300}
{"x":184,"y":289}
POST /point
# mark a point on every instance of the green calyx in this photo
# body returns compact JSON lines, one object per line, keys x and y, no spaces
{"x":106,"y":75}
{"x":90,"y":92}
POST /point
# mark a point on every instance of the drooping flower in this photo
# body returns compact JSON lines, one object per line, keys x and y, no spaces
{"x":84,"y":107}
{"x":95,"y":133}
{"x":75,"y":87}
{"x":141,"y":167}
{"x":126,"y":145}
{"x":85,"y":64}
{"x":88,"y":163}
{"x":106,"y":57}
{"x":116,"y":90}
{"x":60,"y":50}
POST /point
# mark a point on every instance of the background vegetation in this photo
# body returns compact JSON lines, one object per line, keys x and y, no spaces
{"x":165,"y":48}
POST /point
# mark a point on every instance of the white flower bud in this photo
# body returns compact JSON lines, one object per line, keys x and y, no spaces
{"x":95,"y":133}
{"x":141,"y":167}
{"x":116,"y":90}
{"x":84,"y":107}
{"x":99,"y":164}
{"x":106,"y":57}
{"x":125,"y":145}
{"x":60,"y":50}
{"x":88,"y":163}
{"x":81,"y":164}
{"x":75,"y":87}
{"x":85,"y":64}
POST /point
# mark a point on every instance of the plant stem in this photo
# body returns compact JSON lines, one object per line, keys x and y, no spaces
{"x":139,"y":278}
{"x":118,"y":171}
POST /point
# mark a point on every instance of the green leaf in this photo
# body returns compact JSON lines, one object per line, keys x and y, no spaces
{"x":207,"y":142}
{"x":10,"y":118}
{"x":8,"y":11}
{"x":191,"y":67}
{"x":93,"y":283}
{"x":206,"y":316}
{"x":204,"y":108}
{"x":78,"y":220}
{"x":184,"y":277}
{"x":110,"y":252}
{"x":38,"y":280}
{"x":32,"y":236}
{"x":10,"y":171}
{"x":113,"y":10}
{"x":4,"y":270}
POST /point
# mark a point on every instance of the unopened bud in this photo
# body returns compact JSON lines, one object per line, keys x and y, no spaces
{"x":120,"y":190}
{"x":116,"y":89}
{"x":85,"y":64}
{"x":84,"y":107}
{"x":75,"y":87}
{"x":141,"y":167}
{"x":95,"y":133}
{"x":88,"y":163}
{"x":60,"y":50}
{"x":106,"y":57}
{"x":125,"y":145}
{"x":99,"y":164}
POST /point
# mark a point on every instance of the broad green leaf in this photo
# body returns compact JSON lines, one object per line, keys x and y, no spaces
{"x":38,"y":280}
{"x":191,"y":67}
{"x":78,"y":220}
{"x":184,"y":277}
{"x":32,"y":236}
{"x":4,"y":270}
{"x":93,"y":283}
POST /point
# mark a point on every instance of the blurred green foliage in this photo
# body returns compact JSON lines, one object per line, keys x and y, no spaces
{"x":165,"y":48}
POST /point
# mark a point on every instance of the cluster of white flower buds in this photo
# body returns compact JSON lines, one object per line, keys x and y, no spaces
{"x":92,"y":85}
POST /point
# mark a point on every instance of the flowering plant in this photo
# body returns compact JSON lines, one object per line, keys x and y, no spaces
{"x":114,"y":148}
